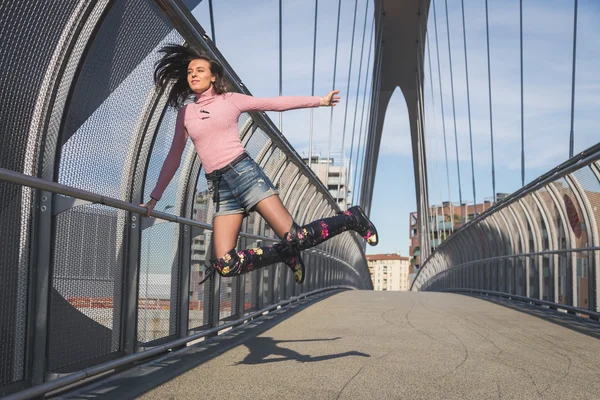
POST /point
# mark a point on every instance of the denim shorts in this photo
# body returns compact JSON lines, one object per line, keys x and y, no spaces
{"x":242,"y":188}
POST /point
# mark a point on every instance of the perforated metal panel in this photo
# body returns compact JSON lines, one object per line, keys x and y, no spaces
{"x":257,"y":142}
{"x":14,"y":273}
{"x":274,"y":162}
{"x":85,"y":307}
{"x":31,"y":30}
{"x":295,"y":200}
{"x":199,"y":294}
{"x":286,"y":179}
{"x":158,"y":282}
{"x":590,"y":187}
{"x":104,"y":130}
{"x":250,"y":290}
{"x":228,"y":297}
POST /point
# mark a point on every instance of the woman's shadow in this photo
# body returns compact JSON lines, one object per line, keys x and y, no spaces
{"x":263,"y":347}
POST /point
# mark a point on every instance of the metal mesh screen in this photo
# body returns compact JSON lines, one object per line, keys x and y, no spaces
{"x":575,"y":221}
{"x":249,"y":290}
{"x":158,"y":282}
{"x":118,"y":65}
{"x":590,"y":186}
{"x":273,"y":163}
{"x":200,"y":294}
{"x":286,"y":179}
{"x":85,"y":308}
{"x":242,"y":120}
{"x":257,"y":143}
{"x":102,"y":132}
{"x":228,"y":297}
{"x":296,"y":197}
{"x":30,"y":32}
{"x":14,"y":272}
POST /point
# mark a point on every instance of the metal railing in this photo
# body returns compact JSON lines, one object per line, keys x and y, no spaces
{"x":542,"y":242}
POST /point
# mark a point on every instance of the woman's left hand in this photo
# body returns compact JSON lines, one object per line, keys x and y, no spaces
{"x":330,"y":99}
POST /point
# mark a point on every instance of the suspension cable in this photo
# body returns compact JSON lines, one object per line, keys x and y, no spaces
{"x":354,"y":187}
{"x":423,"y":139}
{"x":487,"y":31}
{"x":572,"y":134}
{"x":454,"y":110}
{"x":469,"y":110}
{"x":346,"y":111}
{"x":374,"y":119}
{"x":443,"y":119}
{"x":371,"y":122}
{"x":437,"y":173}
{"x":522,"y":111}
{"x":362,"y":48}
{"x":337,"y":36}
{"x":312,"y":93}
{"x":212,"y":21}
{"x":280,"y":62}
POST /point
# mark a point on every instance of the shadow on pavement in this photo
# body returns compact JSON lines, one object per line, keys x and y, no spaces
{"x":140,"y":379}
{"x":263,"y":347}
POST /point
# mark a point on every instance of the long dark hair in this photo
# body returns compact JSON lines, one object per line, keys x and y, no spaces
{"x":172,"y":67}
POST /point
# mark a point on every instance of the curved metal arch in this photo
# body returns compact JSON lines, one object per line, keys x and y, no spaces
{"x":547,"y":215}
{"x":313,"y":213}
{"x":523,"y":244}
{"x":305,"y":207}
{"x":482,"y":240}
{"x":589,"y":209}
{"x":596,"y":171}
{"x":321,"y":209}
{"x":570,"y":236}
{"x":291,"y":188}
{"x":461,"y":249}
{"x":44,"y":128}
{"x":591,"y":233}
{"x":68,"y":57}
{"x":585,"y":207}
{"x":553,"y":232}
{"x":507,"y":248}
{"x":477,"y":273}
{"x":533,"y":224}
{"x":535,"y":233}
{"x":301,"y":188}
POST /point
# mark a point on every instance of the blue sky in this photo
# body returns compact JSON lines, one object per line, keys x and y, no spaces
{"x":247,"y":35}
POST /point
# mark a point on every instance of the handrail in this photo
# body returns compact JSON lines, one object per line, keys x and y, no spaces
{"x":537,"y":253}
{"x":555,"y":306}
{"x":143,"y":355}
{"x":57,"y":188}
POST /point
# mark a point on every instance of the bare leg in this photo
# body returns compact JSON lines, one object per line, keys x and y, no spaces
{"x":276,"y":215}
{"x":226,"y":229}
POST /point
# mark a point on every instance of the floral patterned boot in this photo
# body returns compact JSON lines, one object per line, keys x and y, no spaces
{"x":240,"y":262}
{"x":316,"y":232}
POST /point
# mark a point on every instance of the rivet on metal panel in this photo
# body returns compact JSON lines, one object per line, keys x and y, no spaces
{"x":134,"y":218}
{"x":43,"y":208}
{"x":133,"y":226}
{"x":44,"y":198}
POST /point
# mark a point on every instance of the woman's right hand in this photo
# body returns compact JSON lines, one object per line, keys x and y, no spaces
{"x":149,"y":206}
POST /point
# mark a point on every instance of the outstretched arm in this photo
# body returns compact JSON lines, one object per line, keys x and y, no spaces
{"x":283,"y":103}
{"x":172,"y":161}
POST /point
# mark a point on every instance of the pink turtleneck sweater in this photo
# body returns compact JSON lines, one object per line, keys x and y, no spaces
{"x":212,"y":124}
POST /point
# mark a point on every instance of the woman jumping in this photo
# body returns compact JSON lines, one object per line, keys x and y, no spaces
{"x":236,"y":181}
